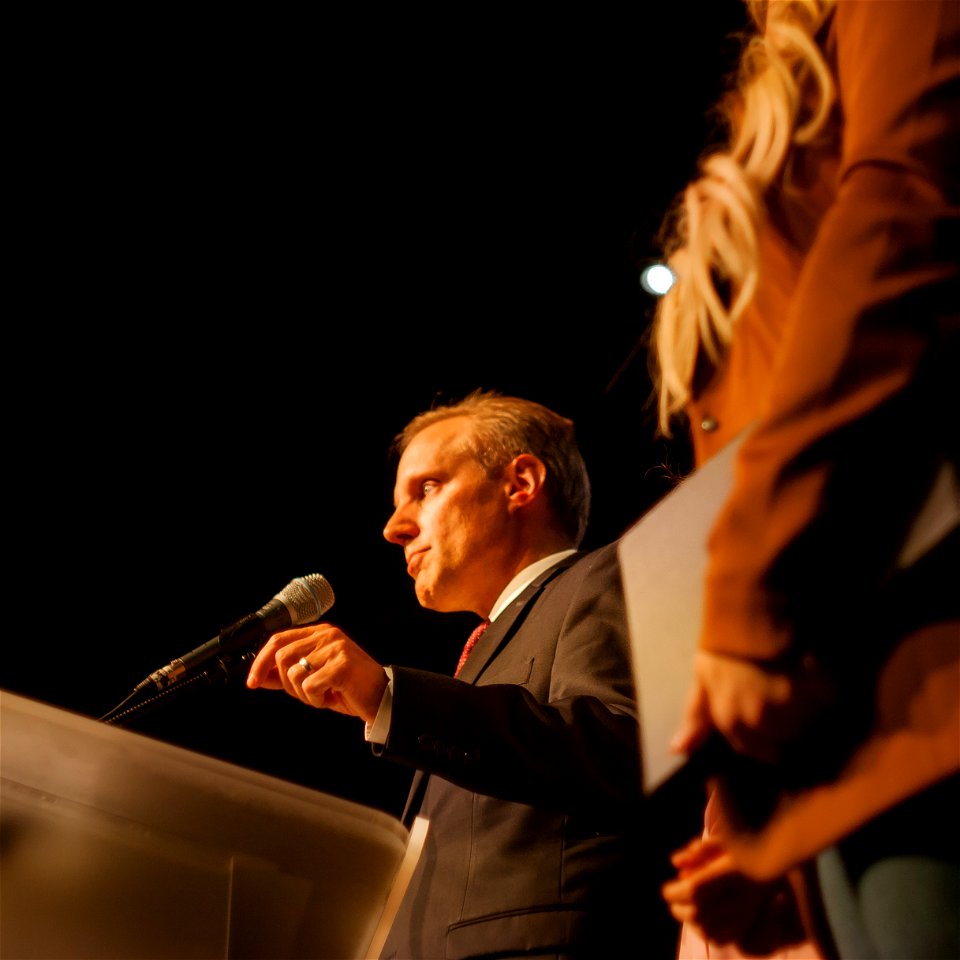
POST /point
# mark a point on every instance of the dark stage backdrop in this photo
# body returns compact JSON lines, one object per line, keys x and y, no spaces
{"x":248,"y":253}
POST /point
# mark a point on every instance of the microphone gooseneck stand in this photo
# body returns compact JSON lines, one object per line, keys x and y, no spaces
{"x":303,"y":600}
{"x":225,"y":670}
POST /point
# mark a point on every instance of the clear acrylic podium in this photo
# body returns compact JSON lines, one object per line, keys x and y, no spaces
{"x":115,"y":845}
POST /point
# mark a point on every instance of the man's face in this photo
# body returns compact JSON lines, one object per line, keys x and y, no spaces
{"x":452,"y":521}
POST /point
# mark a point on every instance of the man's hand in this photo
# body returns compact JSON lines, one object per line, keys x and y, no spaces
{"x":342,"y":677}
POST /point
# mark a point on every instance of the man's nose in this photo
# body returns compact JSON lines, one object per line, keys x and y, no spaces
{"x":400,"y":528}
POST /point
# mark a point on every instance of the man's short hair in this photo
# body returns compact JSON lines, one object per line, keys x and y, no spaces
{"x":503,"y":427}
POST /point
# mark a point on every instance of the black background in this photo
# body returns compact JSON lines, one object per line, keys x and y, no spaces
{"x":246,"y":252}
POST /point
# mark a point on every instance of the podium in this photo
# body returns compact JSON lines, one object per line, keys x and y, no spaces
{"x":115,"y":845}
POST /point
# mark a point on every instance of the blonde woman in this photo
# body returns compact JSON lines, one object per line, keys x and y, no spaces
{"x":816,"y":308}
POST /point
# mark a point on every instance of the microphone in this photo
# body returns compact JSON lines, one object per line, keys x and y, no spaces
{"x":303,"y":600}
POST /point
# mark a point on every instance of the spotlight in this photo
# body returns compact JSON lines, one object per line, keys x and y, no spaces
{"x":656,"y":279}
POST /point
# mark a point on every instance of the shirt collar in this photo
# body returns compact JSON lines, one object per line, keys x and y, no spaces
{"x":524,"y":578}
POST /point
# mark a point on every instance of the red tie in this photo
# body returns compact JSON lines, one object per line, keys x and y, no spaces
{"x":469,"y":645}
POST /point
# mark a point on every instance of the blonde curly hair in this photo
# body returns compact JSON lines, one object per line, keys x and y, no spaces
{"x":781,"y":96}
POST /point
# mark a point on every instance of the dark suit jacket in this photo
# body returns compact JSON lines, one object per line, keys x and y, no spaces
{"x":528,"y":772}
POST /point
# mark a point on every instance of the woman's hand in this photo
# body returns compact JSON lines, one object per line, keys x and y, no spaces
{"x":756,"y":708}
{"x":724,"y":906}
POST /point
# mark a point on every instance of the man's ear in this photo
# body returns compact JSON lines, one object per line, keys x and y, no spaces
{"x":524,"y":478}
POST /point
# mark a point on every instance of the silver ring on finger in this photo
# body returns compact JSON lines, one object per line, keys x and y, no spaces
{"x":306,"y":664}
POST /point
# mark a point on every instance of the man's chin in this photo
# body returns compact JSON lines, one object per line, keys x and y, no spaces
{"x":425,"y":597}
{"x":430,"y":600}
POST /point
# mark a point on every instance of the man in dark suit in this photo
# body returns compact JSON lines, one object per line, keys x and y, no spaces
{"x":527,"y":760}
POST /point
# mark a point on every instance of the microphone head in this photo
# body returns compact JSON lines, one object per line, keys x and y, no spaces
{"x":306,"y":598}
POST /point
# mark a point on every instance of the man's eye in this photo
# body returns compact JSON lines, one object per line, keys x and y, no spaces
{"x":427,"y":487}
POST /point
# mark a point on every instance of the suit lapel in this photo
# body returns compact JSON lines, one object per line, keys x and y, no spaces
{"x":494,"y":639}
{"x":498,"y":634}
